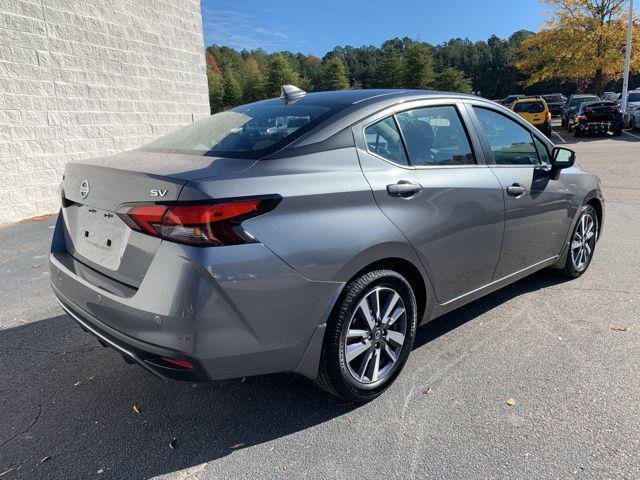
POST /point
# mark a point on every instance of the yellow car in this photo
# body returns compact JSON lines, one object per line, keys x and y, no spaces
{"x":535,"y":111}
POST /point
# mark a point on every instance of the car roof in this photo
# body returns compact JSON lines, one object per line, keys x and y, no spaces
{"x":529,"y":99}
{"x":373,"y":95}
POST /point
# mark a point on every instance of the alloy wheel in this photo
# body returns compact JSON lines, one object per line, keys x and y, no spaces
{"x":375,"y":335}
{"x":583,"y":242}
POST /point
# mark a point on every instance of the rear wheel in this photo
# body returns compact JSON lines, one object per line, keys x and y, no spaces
{"x":617,"y":131}
{"x":369,"y":336}
{"x":583,"y":243}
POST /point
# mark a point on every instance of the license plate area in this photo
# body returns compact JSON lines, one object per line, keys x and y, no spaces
{"x":98,"y":235}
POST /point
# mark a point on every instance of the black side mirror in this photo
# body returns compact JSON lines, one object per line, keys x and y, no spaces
{"x":562,"y":158}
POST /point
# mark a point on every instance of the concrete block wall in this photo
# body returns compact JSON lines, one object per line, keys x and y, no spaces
{"x":85,"y":78}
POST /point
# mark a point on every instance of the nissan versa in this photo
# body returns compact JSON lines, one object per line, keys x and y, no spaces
{"x":313,"y":233}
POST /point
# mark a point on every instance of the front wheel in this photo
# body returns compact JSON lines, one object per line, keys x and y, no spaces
{"x":583,"y":243}
{"x":369,"y":336}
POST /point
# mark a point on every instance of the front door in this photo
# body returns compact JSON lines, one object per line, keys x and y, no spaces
{"x":538,"y":208}
{"x":432,"y":185}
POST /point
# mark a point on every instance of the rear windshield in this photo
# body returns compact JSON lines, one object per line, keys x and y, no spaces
{"x":529,"y":107}
{"x":553,"y":98}
{"x":598,"y":105}
{"x":248,"y":131}
{"x":577,"y":101}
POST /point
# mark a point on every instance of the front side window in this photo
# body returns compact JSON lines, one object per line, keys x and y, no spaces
{"x":383,"y":139}
{"x":543,"y":152}
{"x":510,"y":143}
{"x":435,"y":136}
{"x":248,"y":131}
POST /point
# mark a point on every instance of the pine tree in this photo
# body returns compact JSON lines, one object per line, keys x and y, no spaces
{"x":252,"y":81}
{"x":232,"y":91}
{"x":419,"y":67}
{"x":216,"y":90}
{"x":390,"y":71}
{"x":280,"y":73}
{"x":335,"y":74}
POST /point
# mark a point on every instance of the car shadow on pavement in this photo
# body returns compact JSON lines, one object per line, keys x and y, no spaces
{"x":69,"y":405}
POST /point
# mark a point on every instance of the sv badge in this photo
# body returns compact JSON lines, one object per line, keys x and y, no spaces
{"x":156,"y":192}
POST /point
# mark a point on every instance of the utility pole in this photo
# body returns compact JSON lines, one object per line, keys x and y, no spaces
{"x":627,"y":60}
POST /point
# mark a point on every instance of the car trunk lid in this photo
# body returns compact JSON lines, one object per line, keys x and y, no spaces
{"x":93,"y":191}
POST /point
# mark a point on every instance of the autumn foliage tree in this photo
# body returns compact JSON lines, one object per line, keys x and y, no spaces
{"x":582,"y":39}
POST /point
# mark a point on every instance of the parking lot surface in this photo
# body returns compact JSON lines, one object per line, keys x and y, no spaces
{"x":567,"y":353}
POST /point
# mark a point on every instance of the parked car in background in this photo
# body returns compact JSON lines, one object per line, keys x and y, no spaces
{"x":555,"y":102}
{"x":572,"y":106}
{"x":633,"y":109}
{"x":510,"y":99}
{"x":597,"y":118}
{"x":218,"y":251}
{"x":611,"y":96}
{"x":535,"y":111}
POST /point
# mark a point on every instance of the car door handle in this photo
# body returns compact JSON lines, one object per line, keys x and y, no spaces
{"x":516,"y":190}
{"x":404,"y":189}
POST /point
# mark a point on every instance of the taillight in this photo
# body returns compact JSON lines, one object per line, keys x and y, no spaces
{"x":201,"y":224}
{"x":548,"y":116}
{"x":581,"y":117}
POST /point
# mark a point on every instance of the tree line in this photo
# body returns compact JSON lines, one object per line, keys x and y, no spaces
{"x":578,"y":50}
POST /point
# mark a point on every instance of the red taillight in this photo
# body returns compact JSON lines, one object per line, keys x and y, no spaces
{"x":178,"y":362}
{"x":581,"y":117}
{"x":207,"y":224}
{"x":548,"y":116}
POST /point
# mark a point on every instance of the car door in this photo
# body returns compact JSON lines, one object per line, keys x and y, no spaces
{"x":429,"y":177}
{"x":538,"y":208}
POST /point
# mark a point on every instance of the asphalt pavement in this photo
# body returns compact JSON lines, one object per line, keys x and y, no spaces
{"x":565,"y":354}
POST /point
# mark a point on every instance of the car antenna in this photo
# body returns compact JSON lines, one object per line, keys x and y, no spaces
{"x":291,"y":93}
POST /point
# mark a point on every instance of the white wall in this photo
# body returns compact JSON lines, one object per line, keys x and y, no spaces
{"x":83,"y":78}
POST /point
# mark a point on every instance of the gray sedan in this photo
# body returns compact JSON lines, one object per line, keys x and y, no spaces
{"x":314,"y":233}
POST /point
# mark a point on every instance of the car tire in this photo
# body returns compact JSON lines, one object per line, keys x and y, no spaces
{"x":575,"y":263}
{"x":360,"y":356}
{"x":576,"y":133}
{"x":617,"y":132}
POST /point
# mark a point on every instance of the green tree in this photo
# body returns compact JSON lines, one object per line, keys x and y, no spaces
{"x":280,"y":73}
{"x":390,"y":71}
{"x":335,"y":74}
{"x":216,"y":90}
{"x":453,"y":80}
{"x":232,"y":91}
{"x":252,"y":81}
{"x":419,"y":67}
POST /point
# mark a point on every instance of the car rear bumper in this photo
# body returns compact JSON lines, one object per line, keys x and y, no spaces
{"x":229,"y":311}
{"x":597,"y":127}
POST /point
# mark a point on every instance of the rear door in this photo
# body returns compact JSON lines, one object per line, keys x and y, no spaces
{"x":538,"y":207}
{"x":429,"y":177}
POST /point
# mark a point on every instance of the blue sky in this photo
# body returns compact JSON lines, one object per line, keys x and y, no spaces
{"x":317,"y":26}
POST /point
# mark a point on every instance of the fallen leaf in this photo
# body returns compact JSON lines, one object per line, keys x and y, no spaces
{"x":91,"y":378}
{"x":511,"y":402}
{"x":620,"y":328}
{"x":427,"y":390}
{"x":101,"y":470}
{"x":36,"y":265}
{"x":270,"y":449}
{"x":42,"y":460}
{"x":136,"y":407}
{"x":172,"y":442}
{"x":237,"y":445}
{"x":77,"y":383}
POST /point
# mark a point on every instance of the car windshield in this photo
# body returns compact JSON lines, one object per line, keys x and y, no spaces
{"x":511,"y":98}
{"x":576,"y":102}
{"x":634,"y":97}
{"x":535,"y":106}
{"x":248,"y":131}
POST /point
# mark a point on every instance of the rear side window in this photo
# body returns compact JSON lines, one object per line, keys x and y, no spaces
{"x":435,"y":136}
{"x":510,"y":143}
{"x":529,"y":107}
{"x":383,"y":139}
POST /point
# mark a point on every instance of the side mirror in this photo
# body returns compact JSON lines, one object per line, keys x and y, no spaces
{"x":562,"y":158}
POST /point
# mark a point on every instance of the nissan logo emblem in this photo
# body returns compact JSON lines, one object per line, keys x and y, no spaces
{"x":84,"y":188}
